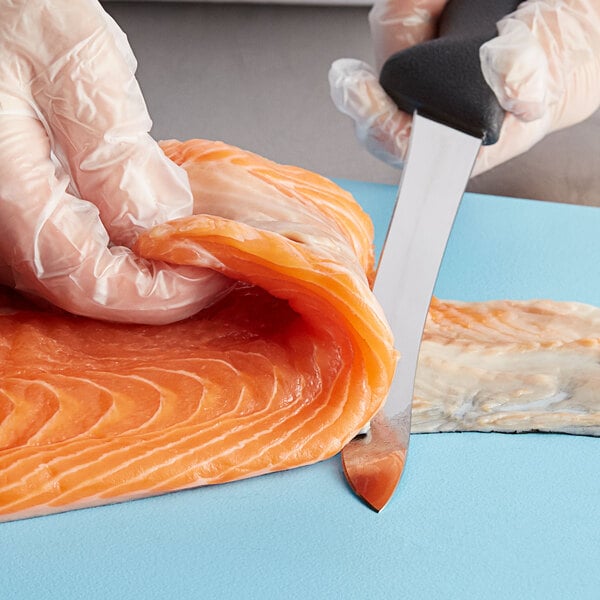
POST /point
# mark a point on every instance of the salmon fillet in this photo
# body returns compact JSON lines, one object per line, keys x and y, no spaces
{"x":283,"y":371}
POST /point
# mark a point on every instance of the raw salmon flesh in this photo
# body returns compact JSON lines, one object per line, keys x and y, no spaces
{"x":283,"y":371}
{"x":280,"y":372}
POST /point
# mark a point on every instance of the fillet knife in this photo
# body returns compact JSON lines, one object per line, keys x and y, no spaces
{"x":454,"y":112}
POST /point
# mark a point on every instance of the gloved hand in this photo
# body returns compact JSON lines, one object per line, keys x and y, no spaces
{"x":79,"y":175}
{"x":544,"y":68}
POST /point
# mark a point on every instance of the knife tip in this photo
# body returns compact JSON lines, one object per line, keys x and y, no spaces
{"x":376,"y":482}
{"x":373,"y":466}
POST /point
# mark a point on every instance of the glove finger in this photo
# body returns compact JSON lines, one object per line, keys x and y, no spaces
{"x":54,"y":245}
{"x":398,"y":24}
{"x":516,"y":68}
{"x":379,"y":125}
{"x":98,"y":122}
{"x":546,"y":59}
{"x":119,"y":37}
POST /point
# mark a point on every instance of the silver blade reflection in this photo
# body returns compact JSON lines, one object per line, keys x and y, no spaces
{"x":439,"y":163}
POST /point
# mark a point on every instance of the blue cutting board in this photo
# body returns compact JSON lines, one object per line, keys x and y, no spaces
{"x":475,"y":516}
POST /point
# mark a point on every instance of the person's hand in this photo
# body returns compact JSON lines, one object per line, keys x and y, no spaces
{"x":544,"y":68}
{"x":80,"y":176}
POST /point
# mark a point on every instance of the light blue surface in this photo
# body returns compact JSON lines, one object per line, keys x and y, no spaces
{"x":475,"y":516}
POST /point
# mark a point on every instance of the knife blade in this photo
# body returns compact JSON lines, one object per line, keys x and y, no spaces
{"x":454,"y":113}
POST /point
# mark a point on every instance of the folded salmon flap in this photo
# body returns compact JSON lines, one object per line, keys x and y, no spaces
{"x":281,"y":372}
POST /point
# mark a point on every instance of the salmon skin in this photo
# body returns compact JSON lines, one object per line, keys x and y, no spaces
{"x":509,"y":366}
{"x":283,"y":371}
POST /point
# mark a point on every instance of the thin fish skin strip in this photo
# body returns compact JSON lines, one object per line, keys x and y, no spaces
{"x":509,"y":366}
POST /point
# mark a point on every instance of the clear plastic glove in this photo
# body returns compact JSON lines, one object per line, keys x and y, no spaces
{"x":544,"y":67}
{"x":79,"y":175}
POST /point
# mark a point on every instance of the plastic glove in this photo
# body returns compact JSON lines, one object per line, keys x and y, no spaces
{"x":544,"y":68}
{"x":79,"y":175}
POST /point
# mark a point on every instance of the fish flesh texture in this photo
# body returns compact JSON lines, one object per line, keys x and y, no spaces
{"x":280,"y":372}
{"x":509,"y":366}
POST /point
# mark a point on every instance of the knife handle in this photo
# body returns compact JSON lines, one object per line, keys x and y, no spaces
{"x":441,"y":78}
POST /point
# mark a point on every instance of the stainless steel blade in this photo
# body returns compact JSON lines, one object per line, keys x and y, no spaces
{"x":438,"y":166}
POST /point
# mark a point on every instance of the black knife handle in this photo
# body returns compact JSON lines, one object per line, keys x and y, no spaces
{"x":441,"y":79}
